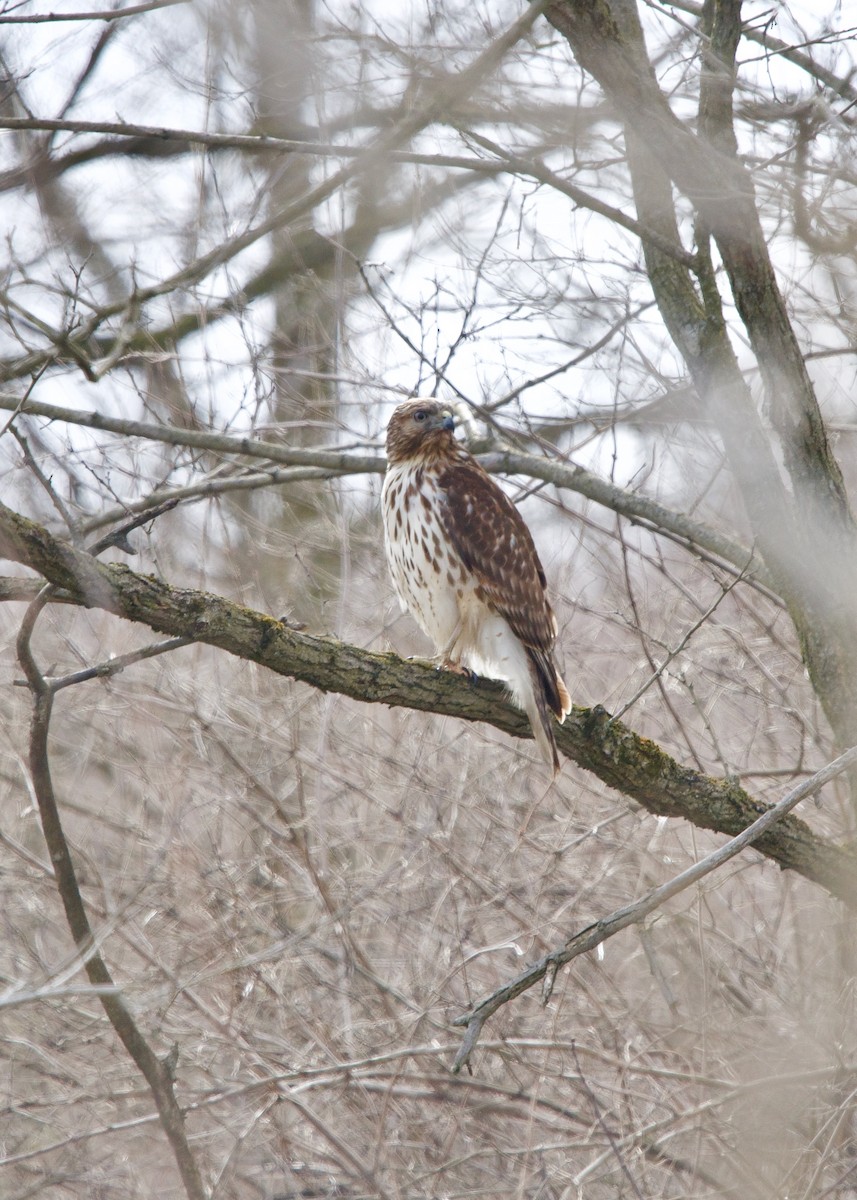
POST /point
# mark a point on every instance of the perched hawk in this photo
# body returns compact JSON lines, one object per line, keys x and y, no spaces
{"x":464,"y":563}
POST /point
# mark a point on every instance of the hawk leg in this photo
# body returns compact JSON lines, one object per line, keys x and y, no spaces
{"x":447,"y":659}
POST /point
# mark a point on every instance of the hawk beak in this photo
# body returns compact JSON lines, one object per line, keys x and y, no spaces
{"x":447,"y":421}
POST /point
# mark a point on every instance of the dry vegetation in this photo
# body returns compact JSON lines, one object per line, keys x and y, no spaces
{"x":293,"y":893}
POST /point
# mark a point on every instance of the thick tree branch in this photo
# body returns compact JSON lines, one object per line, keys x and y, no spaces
{"x":627,"y":762}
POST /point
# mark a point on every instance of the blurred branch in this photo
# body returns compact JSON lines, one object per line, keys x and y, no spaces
{"x":432,"y":104}
{"x":632,"y":505}
{"x":791,"y":483}
{"x":503,"y":161}
{"x":843,"y":241}
{"x":14,"y":998}
{"x":257,"y":143}
{"x":427,"y":108}
{"x":97,"y":352}
{"x":354,"y":1159}
{"x":109,"y":14}
{"x":633,"y":765}
{"x":842,"y":85}
{"x":517,"y":165}
{"x":593,"y":935}
{"x":122,"y":139}
{"x":607,"y":41}
{"x":26,"y":590}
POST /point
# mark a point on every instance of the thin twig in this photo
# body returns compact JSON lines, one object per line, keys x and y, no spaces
{"x":26,"y":396}
{"x":119,"y":537}
{"x":676,"y":650}
{"x":605,"y":1129}
{"x":114,"y":666}
{"x":593,"y":935}
{"x":46,"y":483}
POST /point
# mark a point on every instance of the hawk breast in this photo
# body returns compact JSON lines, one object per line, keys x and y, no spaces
{"x":427,"y":571}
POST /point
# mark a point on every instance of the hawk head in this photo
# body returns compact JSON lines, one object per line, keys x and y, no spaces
{"x":419,"y":429}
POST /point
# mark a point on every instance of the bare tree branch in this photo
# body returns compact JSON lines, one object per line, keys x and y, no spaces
{"x":842,"y":85}
{"x":633,"y":505}
{"x":298,"y":876}
{"x":157,"y":1073}
{"x":627,"y":762}
{"x":631,"y":914}
{"x":792,"y":485}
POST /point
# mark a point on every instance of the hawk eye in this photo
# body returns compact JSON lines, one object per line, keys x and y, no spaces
{"x":420,"y":414}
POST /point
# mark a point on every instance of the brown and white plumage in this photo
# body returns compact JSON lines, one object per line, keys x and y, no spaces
{"x":464,"y":563}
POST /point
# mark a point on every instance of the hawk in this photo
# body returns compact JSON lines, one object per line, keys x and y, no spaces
{"x":464,"y":563}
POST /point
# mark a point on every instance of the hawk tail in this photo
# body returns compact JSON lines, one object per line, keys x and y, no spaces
{"x":548,"y":698}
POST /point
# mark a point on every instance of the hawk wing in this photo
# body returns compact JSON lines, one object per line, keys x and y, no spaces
{"x":494,"y":543}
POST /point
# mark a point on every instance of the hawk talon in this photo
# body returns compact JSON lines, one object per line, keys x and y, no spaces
{"x":455,"y":668}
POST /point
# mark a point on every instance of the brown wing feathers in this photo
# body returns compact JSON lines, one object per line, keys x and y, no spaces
{"x":490,"y":535}
{"x":552,"y":687}
{"x":494,"y":542}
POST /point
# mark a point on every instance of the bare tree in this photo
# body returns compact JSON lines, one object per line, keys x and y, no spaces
{"x":289,"y":913}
